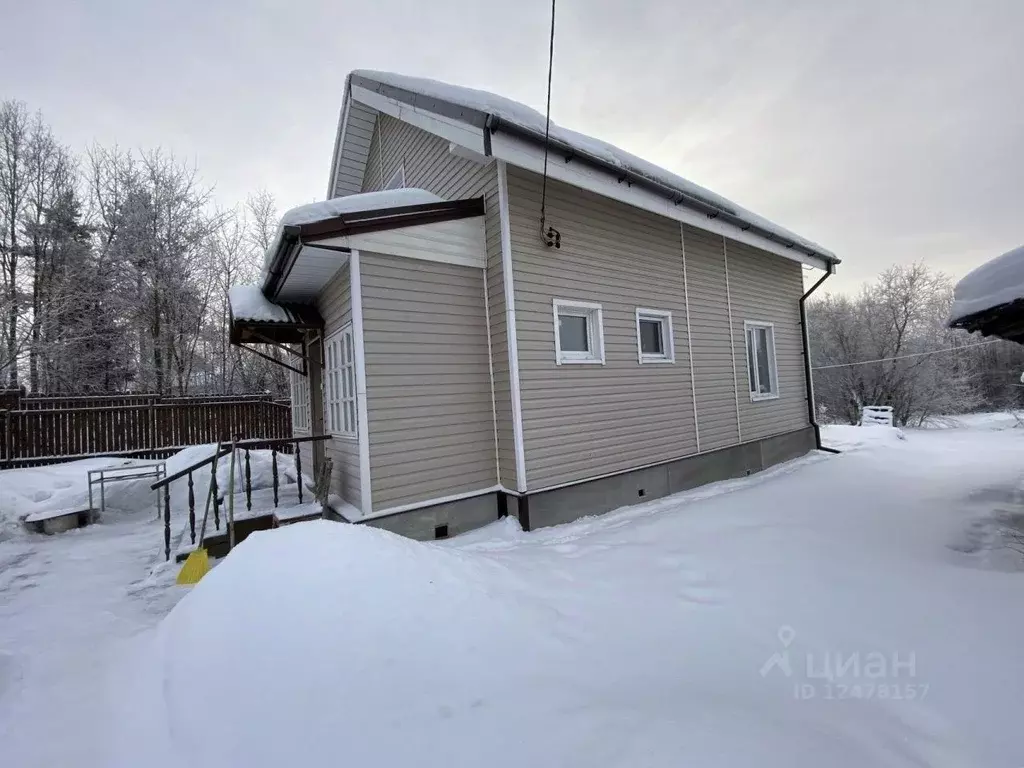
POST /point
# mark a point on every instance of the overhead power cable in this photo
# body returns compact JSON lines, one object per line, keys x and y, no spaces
{"x":904,"y":357}
{"x":548,"y":234}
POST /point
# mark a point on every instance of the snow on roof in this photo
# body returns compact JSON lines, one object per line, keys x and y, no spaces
{"x":367,"y":201}
{"x":248,"y":303}
{"x":993,"y":284}
{"x":529,"y":118}
{"x":339,"y":206}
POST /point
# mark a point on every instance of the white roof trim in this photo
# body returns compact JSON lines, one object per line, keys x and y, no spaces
{"x":526,"y":155}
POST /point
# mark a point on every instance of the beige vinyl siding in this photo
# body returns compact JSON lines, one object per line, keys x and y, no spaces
{"x":348,"y":175}
{"x":767,"y":288}
{"x":335,"y":306}
{"x":581,"y":421}
{"x":709,"y":334}
{"x":429,"y":165}
{"x":427,"y":162}
{"x":427,"y":380}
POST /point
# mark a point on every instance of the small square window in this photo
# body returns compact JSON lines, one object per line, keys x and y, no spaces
{"x":654,"y":336}
{"x":572,"y":331}
{"x":762,"y":372}
{"x":579,"y":337}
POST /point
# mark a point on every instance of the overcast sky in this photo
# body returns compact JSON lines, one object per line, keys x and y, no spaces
{"x":886,"y":131}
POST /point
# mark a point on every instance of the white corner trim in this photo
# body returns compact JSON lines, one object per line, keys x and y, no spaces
{"x":356,"y":292}
{"x":668,"y":337}
{"x":772,"y":359}
{"x":510,"y":325}
{"x":490,"y":375}
{"x":732,"y":340}
{"x":339,"y":142}
{"x":595,"y":335}
{"x":689,"y":339}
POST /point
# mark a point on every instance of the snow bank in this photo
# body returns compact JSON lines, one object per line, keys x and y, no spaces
{"x":847,"y":438}
{"x":524,"y":116}
{"x":41,"y":490}
{"x":339,"y":206}
{"x":727,"y":626}
{"x":993,"y":284}
{"x":359,"y":630}
{"x":248,"y":303}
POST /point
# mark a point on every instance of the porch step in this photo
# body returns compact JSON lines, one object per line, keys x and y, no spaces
{"x":218,"y":545}
{"x":249,"y":521}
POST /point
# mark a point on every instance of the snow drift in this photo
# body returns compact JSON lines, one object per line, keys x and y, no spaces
{"x":595,"y":644}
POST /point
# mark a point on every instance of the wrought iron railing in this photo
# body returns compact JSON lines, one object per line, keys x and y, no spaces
{"x":277,"y":447}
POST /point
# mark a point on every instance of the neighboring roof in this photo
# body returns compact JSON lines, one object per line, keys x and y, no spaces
{"x":990,"y":299}
{"x":487,"y":110}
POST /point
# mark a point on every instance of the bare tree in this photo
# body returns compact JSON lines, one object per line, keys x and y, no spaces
{"x":14,"y":139}
{"x":889,"y":345}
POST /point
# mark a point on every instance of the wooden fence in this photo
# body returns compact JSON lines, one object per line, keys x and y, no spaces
{"x":43,"y":430}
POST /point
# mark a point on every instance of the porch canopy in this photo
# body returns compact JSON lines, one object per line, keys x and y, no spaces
{"x":315,"y":241}
{"x":991,"y":298}
{"x":257,"y":320}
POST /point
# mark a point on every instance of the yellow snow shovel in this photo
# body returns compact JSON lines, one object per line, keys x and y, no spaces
{"x":197,"y":564}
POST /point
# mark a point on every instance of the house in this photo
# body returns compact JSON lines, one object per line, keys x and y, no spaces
{"x":482,"y":339}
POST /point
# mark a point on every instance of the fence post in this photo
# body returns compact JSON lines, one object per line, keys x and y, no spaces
{"x":152,"y":426}
{"x":7,"y":450}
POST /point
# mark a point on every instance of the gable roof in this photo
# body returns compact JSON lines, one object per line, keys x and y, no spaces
{"x":490,"y":114}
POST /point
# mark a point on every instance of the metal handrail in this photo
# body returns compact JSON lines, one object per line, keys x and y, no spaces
{"x":246,"y":446}
{"x":256,"y":442}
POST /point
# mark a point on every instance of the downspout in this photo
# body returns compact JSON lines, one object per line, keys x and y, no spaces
{"x":807,"y":361}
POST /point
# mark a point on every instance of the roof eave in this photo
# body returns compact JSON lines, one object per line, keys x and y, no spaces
{"x":677,"y":196}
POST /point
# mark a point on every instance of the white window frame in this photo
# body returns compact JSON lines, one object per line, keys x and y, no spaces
{"x":755,"y":391}
{"x":341,"y":414}
{"x":595,"y":332}
{"x":301,"y":416}
{"x":664,"y":319}
{"x":398,"y":175}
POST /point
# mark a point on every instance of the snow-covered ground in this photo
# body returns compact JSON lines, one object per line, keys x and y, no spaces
{"x":834,"y":611}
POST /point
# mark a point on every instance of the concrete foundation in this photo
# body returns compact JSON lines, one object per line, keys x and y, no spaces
{"x":442,"y":520}
{"x":563,"y":505}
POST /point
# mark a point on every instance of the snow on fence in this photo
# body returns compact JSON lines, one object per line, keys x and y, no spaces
{"x":876,"y":414}
{"x":123,"y":426}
